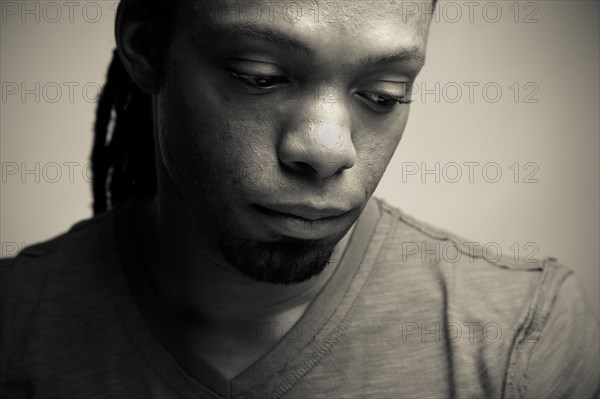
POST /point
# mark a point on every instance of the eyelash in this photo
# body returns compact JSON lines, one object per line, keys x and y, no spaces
{"x":247,"y":79}
{"x":385,"y":97}
{"x":281,"y":80}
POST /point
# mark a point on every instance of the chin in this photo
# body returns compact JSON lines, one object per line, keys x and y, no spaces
{"x":280,"y":262}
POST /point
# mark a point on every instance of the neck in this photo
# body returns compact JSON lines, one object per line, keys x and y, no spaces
{"x":196,"y":284}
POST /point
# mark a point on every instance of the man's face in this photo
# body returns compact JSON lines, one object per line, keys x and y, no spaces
{"x":276,"y":122}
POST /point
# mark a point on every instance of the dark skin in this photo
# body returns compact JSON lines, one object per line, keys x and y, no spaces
{"x":258,"y":182}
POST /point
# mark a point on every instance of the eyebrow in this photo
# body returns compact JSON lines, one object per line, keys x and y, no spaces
{"x":413,"y":55}
{"x":277,"y":38}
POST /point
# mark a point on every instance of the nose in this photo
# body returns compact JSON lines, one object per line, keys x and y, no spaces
{"x":318,"y":141}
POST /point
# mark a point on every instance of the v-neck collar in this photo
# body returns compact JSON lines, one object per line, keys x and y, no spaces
{"x":277,"y":370}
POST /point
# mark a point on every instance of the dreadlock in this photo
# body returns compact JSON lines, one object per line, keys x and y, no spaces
{"x":124,"y":162}
{"x":123,"y":149}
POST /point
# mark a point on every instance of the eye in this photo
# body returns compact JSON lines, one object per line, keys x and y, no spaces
{"x":261,"y":82}
{"x":383,"y":103}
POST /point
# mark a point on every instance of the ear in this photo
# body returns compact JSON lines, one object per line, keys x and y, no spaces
{"x":136,"y":44}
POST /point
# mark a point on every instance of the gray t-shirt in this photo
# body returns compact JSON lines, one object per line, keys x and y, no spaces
{"x":410,"y":312}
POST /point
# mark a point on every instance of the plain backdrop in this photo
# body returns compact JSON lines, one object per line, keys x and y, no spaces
{"x":501,"y":148}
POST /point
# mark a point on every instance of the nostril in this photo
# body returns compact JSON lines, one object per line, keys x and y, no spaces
{"x":323,"y":162}
{"x":300,"y":168}
{"x":331,"y":169}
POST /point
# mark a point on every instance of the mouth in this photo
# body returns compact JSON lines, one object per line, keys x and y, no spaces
{"x":305,"y":222}
{"x":304,"y":211}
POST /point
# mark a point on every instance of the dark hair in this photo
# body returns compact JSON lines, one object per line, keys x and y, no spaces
{"x":123,"y":151}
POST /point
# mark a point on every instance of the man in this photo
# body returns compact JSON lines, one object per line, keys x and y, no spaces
{"x":238,"y":252}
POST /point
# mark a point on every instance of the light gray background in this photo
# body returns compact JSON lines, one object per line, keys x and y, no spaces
{"x":550,"y":49}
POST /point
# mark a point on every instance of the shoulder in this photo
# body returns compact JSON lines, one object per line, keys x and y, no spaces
{"x":47,"y":267}
{"x":79,"y":233}
{"x":417,"y":241}
{"x":473,"y":279}
{"x":51,"y":288}
{"x":550,"y":335}
{"x":475,"y":272}
{"x":557,"y":352}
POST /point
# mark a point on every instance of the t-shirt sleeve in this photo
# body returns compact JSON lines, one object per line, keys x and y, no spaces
{"x":565,"y":360}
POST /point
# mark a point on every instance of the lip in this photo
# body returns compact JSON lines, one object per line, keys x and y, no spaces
{"x":305,"y":222}
{"x":305,"y":211}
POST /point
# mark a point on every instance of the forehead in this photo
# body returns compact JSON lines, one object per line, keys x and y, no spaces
{"x":345,"y":26}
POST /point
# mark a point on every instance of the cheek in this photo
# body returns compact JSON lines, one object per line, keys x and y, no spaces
{"x":375,"y":146}
{"x":208,"y":142}
{"x":374,"y":159}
